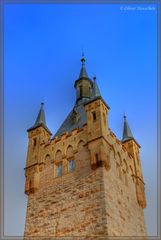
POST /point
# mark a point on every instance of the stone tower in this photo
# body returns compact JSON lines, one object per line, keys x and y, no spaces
{"x":83,"y":181}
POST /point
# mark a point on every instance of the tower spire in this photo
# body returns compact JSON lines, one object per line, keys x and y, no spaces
{"x":127,"y":134}
{"x":83,"y":72}
{"x":40,"y":120}
{"x":96,"y":91}
{"x":41,"y":116}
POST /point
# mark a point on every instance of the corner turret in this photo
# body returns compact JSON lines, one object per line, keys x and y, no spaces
{"x":97,"y":129}
{"x":95,"y":89}
{"x":127,"y":134}
{"x":133,"y":148}
{"x":38,"y":135}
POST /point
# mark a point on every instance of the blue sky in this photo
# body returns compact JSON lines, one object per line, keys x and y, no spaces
{"x":42,"y":50}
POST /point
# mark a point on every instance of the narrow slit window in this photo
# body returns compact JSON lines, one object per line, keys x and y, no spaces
{"x":34,"y":142}
{"x":80,"y":91}
{"x":104,"y":118}
{"x":96,"y":157}
{"x":94,"y":116}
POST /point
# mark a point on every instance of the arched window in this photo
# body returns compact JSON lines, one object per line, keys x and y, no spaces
{"x":58,"y":164}
{"x":58,"y":156}
{"x":80,"y":144}
{"x":69,"y":152}
{"x":71,"y":165}
{"x":47,"y":159}
{"x":59,"y":169}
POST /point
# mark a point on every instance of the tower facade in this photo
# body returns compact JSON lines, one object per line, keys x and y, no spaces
{"x":83,"y":181}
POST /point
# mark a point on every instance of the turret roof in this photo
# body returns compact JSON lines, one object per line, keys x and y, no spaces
{"x":127,"y":134}
{"x":40,"y":120}
{"x":95,"y":90}
{"x":77,"y":117}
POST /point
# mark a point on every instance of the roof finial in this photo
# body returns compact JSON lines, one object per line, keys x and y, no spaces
{"x":124,"y":116}
{"x":83,"y":72}
{"x":94,"y":77}
{"x":83,"y":59}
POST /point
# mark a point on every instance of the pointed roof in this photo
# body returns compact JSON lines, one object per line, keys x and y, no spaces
{"x":41,"y":116}
{"x":78,"y":117}
{"x":40,"y":120}
{"x":127,"y":134}
{"x":95,"y":90}
{"x":71,"y":122}
{"x":83,"y":72}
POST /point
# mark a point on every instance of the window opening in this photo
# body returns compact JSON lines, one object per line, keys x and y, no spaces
{"x":81,"y":91}
{"x":104,"y":118}
{"x":59,"y":170}
{"x":94,"y":116}
{"x":34,"y":142}
{"x":71,"y":165}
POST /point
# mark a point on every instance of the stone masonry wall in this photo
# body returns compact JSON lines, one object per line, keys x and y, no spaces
{"x":85,"y":202}
{"x":71,"y":205}
{"x":124,"y":215}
